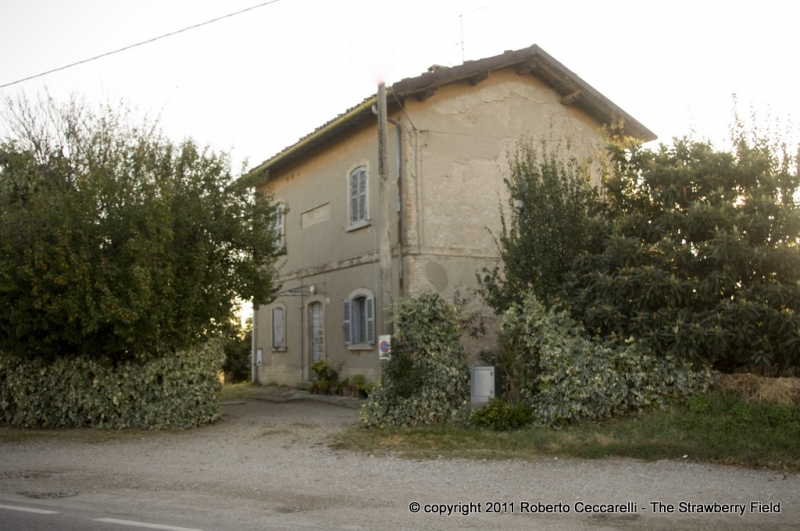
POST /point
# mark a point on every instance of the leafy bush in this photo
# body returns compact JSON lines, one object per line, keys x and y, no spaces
{"x":564,"y":376}
{"x":502,"y":416}
{"x":325,"y":371}
{"x":179,"y":391}
{"x":359,"y":381}
{"x":426,"y":380}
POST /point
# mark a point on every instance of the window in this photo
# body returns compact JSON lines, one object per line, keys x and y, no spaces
{"x":358,"y":195}
{"x":278,"y":328}
{"x":280,"y":233}
{"x":359,"y":320}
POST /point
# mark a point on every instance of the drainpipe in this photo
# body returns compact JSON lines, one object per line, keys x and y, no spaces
{"x":400,"y":206}
{"x":384,"y":240}
{"x":302,"y":330}
{"x":254,"y":372}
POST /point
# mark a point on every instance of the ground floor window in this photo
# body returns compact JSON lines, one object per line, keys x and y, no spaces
{"x":359,"y":320}
{"x":278,"y":327}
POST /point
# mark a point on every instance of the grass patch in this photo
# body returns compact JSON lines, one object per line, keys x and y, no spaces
{"x":240,"y":391}
{"x":710,"y":428}
{"x":16,"y":435}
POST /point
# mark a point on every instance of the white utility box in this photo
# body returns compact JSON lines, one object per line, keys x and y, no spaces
{"x":483,"y":384}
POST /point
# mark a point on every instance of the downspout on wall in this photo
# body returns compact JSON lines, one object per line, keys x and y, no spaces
{"x":254,"y":368}
{"x":400,"y":205}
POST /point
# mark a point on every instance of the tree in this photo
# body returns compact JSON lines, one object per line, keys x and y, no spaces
{"x":237,"y":348}
{"x":551,"y":202}
{"x":699,"y":255}
{"x":117,"y":242}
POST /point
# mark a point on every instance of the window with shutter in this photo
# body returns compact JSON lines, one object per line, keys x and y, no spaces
{"x":358,"y":195}
{"x":278,"y":328}
{"x":362,"y":194}
{"x":353,"y":198}
{"x":279,"y":228}
{"x":370,"y":320}
{"x":347,"y":327}
{"x":359,"y":320}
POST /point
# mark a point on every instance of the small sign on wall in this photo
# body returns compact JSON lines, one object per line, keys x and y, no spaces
{"x":385,"y":347}
{"x":259,"y":356}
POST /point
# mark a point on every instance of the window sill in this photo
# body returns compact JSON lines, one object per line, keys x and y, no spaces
{"x":359,"y":225}
{"x":361,"y":346}
{"x":278,"y":349}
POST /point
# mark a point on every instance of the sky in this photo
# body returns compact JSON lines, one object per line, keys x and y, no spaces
{"x":254,"y":83}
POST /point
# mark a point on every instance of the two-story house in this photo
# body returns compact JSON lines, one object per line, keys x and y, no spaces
{"x":450,"y":134}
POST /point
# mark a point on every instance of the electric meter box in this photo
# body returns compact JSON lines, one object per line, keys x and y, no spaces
{"x":484,"y":384}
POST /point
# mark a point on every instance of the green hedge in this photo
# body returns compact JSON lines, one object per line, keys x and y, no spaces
{"x":180,"y":391}
{"x":565,"y":376}
{"x":502,"y":416}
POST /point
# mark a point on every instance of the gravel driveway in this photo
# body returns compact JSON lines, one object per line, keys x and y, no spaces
{"x":267,"y":466}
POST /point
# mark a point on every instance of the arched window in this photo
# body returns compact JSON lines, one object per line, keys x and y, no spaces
{"x":359,"y":320}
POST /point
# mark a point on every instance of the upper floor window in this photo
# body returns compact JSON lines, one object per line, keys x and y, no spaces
{"x":358,"y":195}
{"x":280,"y":231}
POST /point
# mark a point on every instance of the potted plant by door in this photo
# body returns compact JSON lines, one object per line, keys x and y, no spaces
{"x":327,"y":373}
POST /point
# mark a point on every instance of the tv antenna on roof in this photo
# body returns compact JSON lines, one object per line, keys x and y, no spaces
{"x":461,"y":20}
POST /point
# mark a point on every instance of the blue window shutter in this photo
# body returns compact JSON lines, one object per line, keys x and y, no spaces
{"x":347,"y":324}
{"x":362,"y":194}
{"x":353,"y":197}
{"x":370,"y":309}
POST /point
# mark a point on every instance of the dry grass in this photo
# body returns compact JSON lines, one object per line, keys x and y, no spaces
{"x":754,"y":388}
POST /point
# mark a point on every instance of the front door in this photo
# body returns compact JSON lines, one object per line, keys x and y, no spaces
{"x":317,"y":340}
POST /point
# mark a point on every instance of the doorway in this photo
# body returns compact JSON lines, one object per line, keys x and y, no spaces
{"x":317,"y":333}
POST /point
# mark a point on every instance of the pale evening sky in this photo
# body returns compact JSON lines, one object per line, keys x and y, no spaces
{"x":256,"y":82}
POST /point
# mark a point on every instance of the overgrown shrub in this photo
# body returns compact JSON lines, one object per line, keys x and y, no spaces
{"x":427,"y":379}
{"x":180,"y":391}
{"x":565,"y":376}
{"x":502,"y":416}
{"x":699,"y":256}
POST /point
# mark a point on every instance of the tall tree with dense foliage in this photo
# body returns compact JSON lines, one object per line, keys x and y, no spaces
{"x":699,"y":255}
{"x":551,"y":202}
{"x":116,"y":242}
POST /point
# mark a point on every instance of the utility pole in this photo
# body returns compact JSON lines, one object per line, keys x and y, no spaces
{"x":385,"y":244}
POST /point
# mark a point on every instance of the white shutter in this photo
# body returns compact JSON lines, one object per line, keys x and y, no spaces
{"x":370,"y":309}
{"x":347,"y":324}
{"x":277,"y":328}
{"x":362,"y":194}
